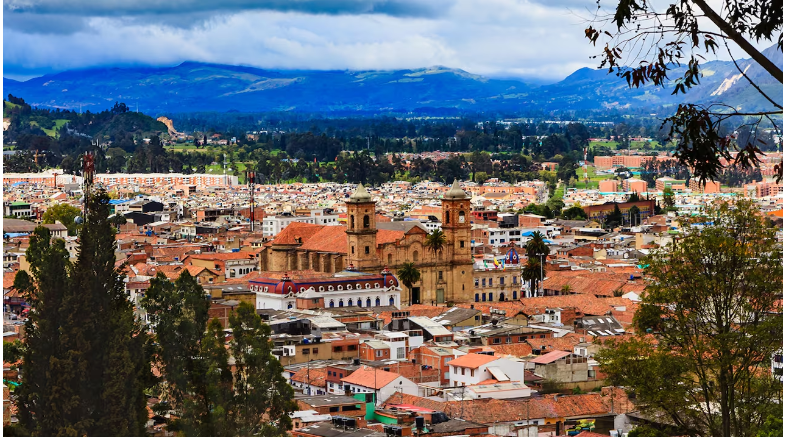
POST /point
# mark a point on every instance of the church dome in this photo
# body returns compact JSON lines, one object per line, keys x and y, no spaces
{"x":360,"y":196}
{"x":455,"y":192}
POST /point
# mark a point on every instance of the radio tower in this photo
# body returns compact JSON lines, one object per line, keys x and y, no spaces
{"x":250,"y":182}
{"x":88,"y":170}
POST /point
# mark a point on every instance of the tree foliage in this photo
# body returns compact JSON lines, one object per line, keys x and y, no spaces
{"x":65,"y":214}
{"x":708,"y":327}
{"x":85,"y":364}
{"x":649,"y":41}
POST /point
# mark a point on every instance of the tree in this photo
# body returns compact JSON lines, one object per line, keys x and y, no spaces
{"x":262,"y":398}
{"x":634,"y":216}
{"x":566,"y":290}
{"x":178,"y":313}
{"x":653,"y":42}
{"x":435,"y":242}
{"x":532,"y":273}
{"x":408,"y":275}
{"x":536,"y":246}
{"x":614,"y":218}
{"x":634,"y":197}
{"x":669,"y":199}
{"x":85,"y":364}
{"x":708,"y":327}
{"x":65,"y":214}
{"x":574,"y":213}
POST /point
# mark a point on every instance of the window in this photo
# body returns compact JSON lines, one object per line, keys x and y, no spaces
{"x":358,"y":302}
{"x":378,"y":353}
{"x":484,"y":297}
{"x":369,"y":302}
{"x":341,"y":304}
{"x":514,"y":280}
{"x":352,"y":222}
{"x":305,"y":351}
{"x":333,"y":409}
{"x":390,"y":259}
{"x":314,"y":350}
{"x":462,"y":372}
{"x":400,"y":353}
{"x":462,"y":244}
{"x":484,"y":282}
{"x":352,"y":249}
{"x":508,"y":340}
{"x":489,"y":295}
{"x":496,"y":340}
{"x":377,"y":301}
{"x":542,"y":336}
{"x":350,"y":347}
{"x":501,"y":280}
{"x":331,"y":303}
{"x":447,"y":217}
{"x":350,"y":302}
{"x":415,"y":256}
{"x":456,"y":371}
{"x":472,"y":372}
{"x":366,"y":250}
{"x":476,"y":298}
{"x":523,"y":339}
{"x":391,"y":301}
{"x":476,"y":282}
{"x":440,"y":275}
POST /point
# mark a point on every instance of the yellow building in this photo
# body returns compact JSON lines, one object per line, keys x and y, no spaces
{"x":446,"y":276}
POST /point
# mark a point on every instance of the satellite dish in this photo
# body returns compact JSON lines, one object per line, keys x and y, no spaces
{"x":78,"y":220}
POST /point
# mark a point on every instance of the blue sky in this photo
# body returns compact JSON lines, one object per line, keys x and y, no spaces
{"x":498,"y":38}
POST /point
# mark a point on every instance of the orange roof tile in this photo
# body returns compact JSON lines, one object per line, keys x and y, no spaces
{"x":328,"y":239}
{"x":472,"y":361}
{"x":316,"y":377}
{"x":370,"y":377}
{"x":296,"y":230}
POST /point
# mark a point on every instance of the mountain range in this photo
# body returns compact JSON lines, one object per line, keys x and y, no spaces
{"x":192,"y":87}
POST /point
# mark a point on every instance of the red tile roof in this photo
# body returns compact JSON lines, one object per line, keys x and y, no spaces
{"x":296,"y":230}
{"x":472,"y":361}
{"x":328,"y":239}
{"x":370,"y":377}
{"x":316,"y":376}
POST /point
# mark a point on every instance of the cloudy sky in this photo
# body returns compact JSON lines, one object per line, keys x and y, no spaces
{"x":530,"y":39}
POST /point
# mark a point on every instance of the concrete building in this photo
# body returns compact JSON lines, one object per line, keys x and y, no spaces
{"x":561,"y":366}
{"x":380,"y":382}
{"x":608,"y":186}
{"x":473,"y":369}
{"x":635,"y":185}
{"x":709,"y":187}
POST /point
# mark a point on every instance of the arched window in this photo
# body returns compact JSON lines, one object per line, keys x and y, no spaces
{"x":350,"y":302}
{"x":369,"y":302}
{"x":501,"y":297}
{"x":290,"y":305}
{"x":289,"y":288}
{"x":415,"y":256}
{"x":331,"y":303}
{"x":366,"y":222}
{"x":358,"y":302}
{"x":462,"y":217}
{"x":341,"y":304}
{"x":391,"y":301}
{"x":377,"y":301}
{"x":446,"y":222}
{"x":352,"y":222}
{"x":477,"y":297}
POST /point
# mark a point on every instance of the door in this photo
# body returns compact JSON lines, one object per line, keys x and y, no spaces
{"x":439,"y":296}
{"x":416,"y":295}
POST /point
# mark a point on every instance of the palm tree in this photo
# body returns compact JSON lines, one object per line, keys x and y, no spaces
{"x":408,"y":275}
{"x":532,"y":272}
{"x":536,"y":245}
{"x":566,"y":289}
{"x":434,"y":243}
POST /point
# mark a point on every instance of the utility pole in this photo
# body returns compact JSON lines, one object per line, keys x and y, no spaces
{"x":250,"y":183}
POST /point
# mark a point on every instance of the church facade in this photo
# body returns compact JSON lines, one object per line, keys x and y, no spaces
{"x":446,"y":276}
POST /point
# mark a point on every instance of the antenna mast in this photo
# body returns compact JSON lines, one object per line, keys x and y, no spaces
{"x":250,"y":182}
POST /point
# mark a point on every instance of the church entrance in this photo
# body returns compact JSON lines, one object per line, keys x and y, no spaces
{"x":439,"y":296}
{"x":416,"y":295}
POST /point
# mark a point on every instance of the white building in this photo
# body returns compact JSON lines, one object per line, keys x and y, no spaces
{"x":273,"y":225}
{"x":473,"y":369}
{"x":384,"y":384}
{"x":315,"y":290}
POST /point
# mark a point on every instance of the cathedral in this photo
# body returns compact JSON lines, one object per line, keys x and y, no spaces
{"x":446,"y":276}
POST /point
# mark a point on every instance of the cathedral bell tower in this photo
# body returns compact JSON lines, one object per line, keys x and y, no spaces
{"x":361,"y":231}
{"x":456,"y":218}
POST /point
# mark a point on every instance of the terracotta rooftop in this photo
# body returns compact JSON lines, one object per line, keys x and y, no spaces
{"x":472,"y":361}
{"x":370,"y":377}
{"x":550,"y":357}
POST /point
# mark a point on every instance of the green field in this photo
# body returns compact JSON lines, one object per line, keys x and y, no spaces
{"x":593,"y":178}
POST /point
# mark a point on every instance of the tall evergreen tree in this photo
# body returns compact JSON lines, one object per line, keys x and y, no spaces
{"x":84,"y":366}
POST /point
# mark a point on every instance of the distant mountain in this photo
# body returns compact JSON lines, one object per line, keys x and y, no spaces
{"x":191,"y":87}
